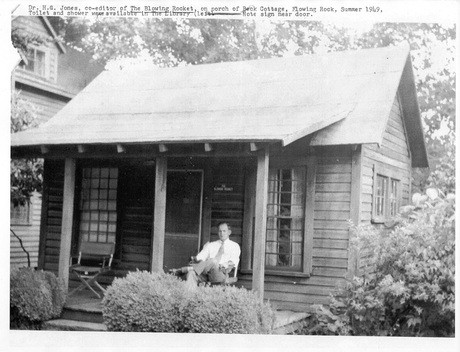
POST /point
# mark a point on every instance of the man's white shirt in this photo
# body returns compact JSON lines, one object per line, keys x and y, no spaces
{"x":231,"y":253}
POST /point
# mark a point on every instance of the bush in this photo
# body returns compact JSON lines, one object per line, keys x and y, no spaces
{"x":407,"y":287}
{"x":144,"y":302}
{"x":162,"y":303}
{"x":35,"y":296}
{"x":227,"y":310}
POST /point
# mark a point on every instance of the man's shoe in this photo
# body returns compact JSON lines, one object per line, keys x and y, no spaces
{"x":175,"y":271}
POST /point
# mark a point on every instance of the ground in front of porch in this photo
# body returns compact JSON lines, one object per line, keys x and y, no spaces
{"x":83,"y":312}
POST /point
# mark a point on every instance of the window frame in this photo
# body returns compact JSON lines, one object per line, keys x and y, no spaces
{"x":107,"y":189}
{"x":47,"y":70}
{"x":309,"y":163}
{"x":277,"y":218}
{"x":14,"y":221}
{"x":390,"y":175}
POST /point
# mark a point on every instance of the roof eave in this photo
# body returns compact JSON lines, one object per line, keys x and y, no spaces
{"x":412,"y":118}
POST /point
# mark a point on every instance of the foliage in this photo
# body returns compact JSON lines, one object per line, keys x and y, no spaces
{"x":227,"y":310}
{"x":162,"y":303}
{"x":22,"y":39}
{"x":26,"y":175}
{"x":35,"y":296}
{"x":407,"y":285}
{"x":144,"y":302}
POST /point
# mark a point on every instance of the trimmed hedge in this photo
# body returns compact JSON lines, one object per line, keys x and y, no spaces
{"x":143,"y":302}
{"x":162,"y":303}
{"x":35,"y":296}
{"x":227,"y":310}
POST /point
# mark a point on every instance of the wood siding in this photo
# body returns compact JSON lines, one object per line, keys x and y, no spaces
{"x":29,"y":234}
{"x":35,"y":26}
{"x":50,"y":232}
{"x":392,"y":155}
{"x":330,"y":241}
{"x":228,"y":204}
{"x":47,"y":104}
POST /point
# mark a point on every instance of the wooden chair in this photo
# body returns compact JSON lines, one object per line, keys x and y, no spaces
{"x":231,"y":277}
{"x":98,"y":259}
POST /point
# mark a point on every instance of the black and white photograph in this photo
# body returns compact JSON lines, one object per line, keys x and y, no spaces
{"x":211,"y":175}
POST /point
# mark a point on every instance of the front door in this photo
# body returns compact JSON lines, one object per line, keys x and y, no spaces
{"x":183,"y":217}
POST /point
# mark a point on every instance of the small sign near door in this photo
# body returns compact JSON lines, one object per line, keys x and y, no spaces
{"x":223,"y":188}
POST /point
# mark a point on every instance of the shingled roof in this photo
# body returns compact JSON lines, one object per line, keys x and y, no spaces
{"x":343,"y":97}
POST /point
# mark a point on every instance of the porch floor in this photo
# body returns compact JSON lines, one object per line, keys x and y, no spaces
{"x":85,"y":302}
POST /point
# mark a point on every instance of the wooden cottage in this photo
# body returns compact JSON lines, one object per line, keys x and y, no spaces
{"x":287,"y":150}
{"x":48,"y":76}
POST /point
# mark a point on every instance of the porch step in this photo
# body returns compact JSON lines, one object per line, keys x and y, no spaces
{"x":287,"y":321}
{"x":72,"y":325}
{"x":83,"y":311}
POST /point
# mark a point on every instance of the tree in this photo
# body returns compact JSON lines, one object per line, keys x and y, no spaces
{"x":25,"y":174}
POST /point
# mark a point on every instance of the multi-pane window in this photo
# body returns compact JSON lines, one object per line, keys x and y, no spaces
{"x":21,"y":214}
{"x":381,"y":195}
{"x":285,"y":219}
{"x":393,"y":197}
{"x":36,"y":61}
{"x":98,"y":206}
{"x":386,"y":197}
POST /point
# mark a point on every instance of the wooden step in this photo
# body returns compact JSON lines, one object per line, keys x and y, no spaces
{"x":288,"y":321}
{"x":82,"y":315}
{"x":87,"y":310}
{"x":72,"y":325}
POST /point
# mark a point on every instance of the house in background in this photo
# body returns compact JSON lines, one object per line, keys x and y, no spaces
{"x":286,"y":150}
{"x":48,"y":76}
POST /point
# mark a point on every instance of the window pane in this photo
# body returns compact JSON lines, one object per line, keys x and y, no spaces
{"x":393,"y":197}
{"x":40,"y":63}
{"x":381,"y":195}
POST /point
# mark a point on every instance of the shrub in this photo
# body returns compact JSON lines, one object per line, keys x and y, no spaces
{"x":142,"y":301}
{"x":229,"y":310}
{"x":162,"y":303}
{"x":407,"y":285}
{"x":35,"y":296}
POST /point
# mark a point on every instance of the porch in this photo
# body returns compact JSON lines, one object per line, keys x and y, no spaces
{"x":161,"y":210}
{"x":83,"y":312}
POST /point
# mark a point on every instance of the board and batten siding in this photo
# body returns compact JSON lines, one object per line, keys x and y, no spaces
{"x":29,"y":234}
{"x":393,"y":154}
{"x":330,"y":239}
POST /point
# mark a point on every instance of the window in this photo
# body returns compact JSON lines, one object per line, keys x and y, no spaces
{"x":386,"y":197}
{"x":21,"y":214}
{"x":98,"y":205}
{"x":37,"y":62}
{"x":285,"y":219}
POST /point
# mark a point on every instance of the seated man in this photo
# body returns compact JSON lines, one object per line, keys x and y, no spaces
{"x":215,"y":260}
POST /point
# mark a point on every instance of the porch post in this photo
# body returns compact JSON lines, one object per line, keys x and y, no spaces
{"x":159,"y":214}
{"x":67,"y":220}
{"x":258,"y":273}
